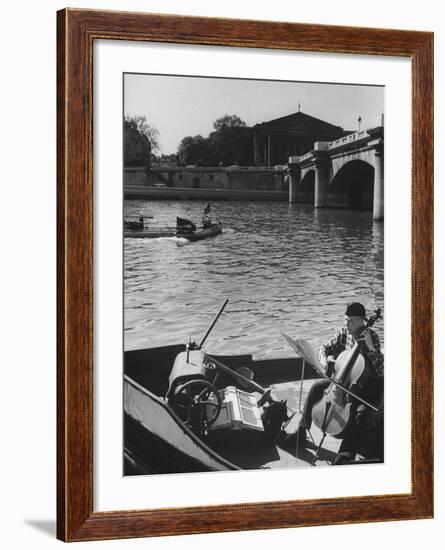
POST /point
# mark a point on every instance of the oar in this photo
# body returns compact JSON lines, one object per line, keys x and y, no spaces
{"x":213,"y":323}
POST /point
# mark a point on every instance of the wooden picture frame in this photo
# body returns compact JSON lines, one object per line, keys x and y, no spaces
{"x":77,"y":31}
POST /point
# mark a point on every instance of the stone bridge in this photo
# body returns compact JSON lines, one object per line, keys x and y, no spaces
{"x":345,"y":173}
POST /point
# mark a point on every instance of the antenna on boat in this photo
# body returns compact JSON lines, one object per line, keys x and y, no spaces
{"x":189,"y":343}
{"x":213,"y":323}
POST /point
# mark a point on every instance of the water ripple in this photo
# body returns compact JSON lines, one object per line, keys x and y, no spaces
{"x":283,"y":267}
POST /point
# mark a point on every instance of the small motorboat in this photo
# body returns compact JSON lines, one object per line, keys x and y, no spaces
{"x":188,"y":230}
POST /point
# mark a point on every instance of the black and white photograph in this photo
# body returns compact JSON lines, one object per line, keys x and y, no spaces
{"x":253,"y":274}
{"x":222,"y":320}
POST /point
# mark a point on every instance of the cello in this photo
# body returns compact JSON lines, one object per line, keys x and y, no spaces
{"x":334,"y":413}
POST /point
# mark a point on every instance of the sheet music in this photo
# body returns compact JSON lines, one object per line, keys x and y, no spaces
{"x":304,"y":350}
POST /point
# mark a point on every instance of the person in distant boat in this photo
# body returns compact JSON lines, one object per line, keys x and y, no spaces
{"x":206,"y":219}
{"x":365,"y":435}
{"x":206,"y":222}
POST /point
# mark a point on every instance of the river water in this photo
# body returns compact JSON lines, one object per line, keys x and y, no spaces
{"x":285,"y":268}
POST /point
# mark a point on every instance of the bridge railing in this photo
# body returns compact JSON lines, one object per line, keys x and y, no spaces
{"x":329,"y":145}
{"x":306,"y":156}
{"x":348,"y":139}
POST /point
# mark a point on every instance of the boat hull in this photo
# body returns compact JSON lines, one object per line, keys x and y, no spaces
{"x":157,"y":441}
{"x":200,"y":235}
{"x":153,"y":233}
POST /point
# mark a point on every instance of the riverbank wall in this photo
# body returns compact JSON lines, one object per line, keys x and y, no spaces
{"x":196,"y":183}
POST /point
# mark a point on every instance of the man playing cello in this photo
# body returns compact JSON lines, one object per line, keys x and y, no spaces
{"x":364,"y":434}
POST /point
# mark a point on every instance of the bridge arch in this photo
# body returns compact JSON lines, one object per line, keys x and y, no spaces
{"x":353,"y":185}
{"x":308,"y":179}
{"x":306,"y":189}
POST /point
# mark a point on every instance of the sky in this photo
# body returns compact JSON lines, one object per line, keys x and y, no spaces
{"x":180,"y":106}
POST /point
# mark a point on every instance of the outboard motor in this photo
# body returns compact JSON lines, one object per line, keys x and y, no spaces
{"x":190,"y":394}
{"x":188,"y":365}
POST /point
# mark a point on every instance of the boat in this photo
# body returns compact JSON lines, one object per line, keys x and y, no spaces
{"x":158,"y":437}
{"x":188,"y":410}
{"x":135,"y":223}
{"x":172,"y":395}
{"x":188,"y":230}
{"x":131,"y":225}
{"x":136,"y":228}
{"x":211,"y":231}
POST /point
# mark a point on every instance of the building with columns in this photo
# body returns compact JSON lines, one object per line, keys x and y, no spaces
{"x":292,"y":135}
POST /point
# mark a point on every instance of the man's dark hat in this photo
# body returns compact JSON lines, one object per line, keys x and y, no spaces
{"x":356,"y":309}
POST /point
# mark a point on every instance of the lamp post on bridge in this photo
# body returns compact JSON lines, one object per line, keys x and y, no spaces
{"x":359,"y":122}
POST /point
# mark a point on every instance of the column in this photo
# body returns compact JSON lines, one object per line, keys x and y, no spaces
{"x":268,"y":150}
{"x":255,"y":152}
{"x":294,"y":181}
{"x":378,"y":206}
{"x":321,"y":182}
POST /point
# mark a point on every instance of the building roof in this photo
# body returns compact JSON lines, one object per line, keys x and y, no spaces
{"x":299,"y":124}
